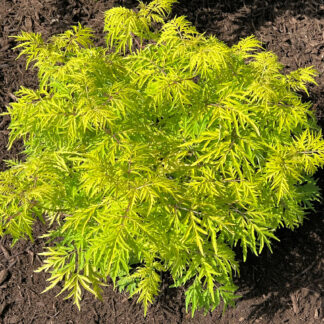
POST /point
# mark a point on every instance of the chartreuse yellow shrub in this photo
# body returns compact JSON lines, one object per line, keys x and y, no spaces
{"x":159,"y":153}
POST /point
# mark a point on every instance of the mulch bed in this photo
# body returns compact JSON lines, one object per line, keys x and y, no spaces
{"x":284,"y":287}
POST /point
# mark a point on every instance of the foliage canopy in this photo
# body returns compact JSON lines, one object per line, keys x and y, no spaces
{"x":161,"y":152}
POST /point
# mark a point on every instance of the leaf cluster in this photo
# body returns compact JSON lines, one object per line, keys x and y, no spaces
{"x":157,"y":159}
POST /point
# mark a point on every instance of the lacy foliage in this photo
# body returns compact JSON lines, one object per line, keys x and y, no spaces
{"x":157,"y":159}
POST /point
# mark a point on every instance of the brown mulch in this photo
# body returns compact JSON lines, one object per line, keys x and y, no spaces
{"x":284,"y":287}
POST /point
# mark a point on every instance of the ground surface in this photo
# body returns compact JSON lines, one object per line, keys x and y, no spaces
{"x":286,"y":287}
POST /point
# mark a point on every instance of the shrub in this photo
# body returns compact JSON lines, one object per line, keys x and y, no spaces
{"x":159,"y":153}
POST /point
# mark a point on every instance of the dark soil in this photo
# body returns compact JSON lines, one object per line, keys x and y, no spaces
{"x":284,"y":287}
